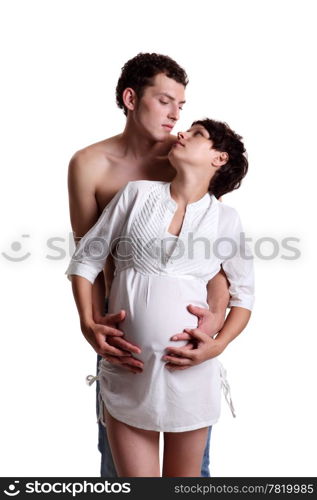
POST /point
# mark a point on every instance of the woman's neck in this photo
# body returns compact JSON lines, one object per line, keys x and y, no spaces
{"x":187,"y":189}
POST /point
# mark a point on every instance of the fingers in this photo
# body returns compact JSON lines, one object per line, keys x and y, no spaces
{"x":124,"y":344}
{"x":106,"y":349}
{"x":133,"y":364}
{"x":174,"y":368}
{"x":177,"y":361}
{"x":176,"y":352}
{"x":130,"y":363}
{"x":112,"y":319}
{"x":115,"y":361}
{"x":108,"y":330}
{"x":190,"y":346}
{"x":197,"y":334}
{"x":201,"y":312}
{"x":181,"y":336}
{"x":116,"y":317}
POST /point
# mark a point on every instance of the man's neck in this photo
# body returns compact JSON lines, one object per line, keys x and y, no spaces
{"x":135,"y":145}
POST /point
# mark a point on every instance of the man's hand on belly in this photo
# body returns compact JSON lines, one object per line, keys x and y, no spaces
{"x":180,"y":358}
{"x":129,"y":362}
{"x":126,"y":359}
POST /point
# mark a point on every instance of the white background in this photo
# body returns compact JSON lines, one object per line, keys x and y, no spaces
{"x":250,"y":63}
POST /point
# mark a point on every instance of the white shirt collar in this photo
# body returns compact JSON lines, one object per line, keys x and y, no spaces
{"x":203,"y":203}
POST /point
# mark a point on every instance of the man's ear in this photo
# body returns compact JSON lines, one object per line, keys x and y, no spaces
{"x":129,"y":98}
{"x":220,"y":159}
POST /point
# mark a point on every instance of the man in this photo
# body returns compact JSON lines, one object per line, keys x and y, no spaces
{"x":151,"y":92}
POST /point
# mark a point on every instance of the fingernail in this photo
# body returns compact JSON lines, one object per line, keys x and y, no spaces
{"x":175,"y":337}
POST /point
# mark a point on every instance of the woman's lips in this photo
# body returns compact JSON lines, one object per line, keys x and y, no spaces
{"x":177,"y":143}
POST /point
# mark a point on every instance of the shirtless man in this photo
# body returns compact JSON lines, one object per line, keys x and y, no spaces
{"x":151,"y":92}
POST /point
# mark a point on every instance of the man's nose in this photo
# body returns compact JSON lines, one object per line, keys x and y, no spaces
{"x":174,"y":113}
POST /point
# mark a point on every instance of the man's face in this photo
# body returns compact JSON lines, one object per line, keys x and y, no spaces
{"x":159,"y":107}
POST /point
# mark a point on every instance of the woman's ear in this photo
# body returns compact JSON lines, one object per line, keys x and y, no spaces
{"x":220,"y":159}
{"x":129,"y":98}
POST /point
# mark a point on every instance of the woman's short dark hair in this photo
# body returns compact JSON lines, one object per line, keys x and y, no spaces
{"x":229,"y":176}
{"x":138,"y":72}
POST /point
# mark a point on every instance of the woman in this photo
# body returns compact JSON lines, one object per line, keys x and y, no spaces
{"x":171,"y":239}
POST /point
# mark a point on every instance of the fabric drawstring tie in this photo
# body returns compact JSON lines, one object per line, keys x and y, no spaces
{"x":90,"y":379}
{"x":226,"y":389}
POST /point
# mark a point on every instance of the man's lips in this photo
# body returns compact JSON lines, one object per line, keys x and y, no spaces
{"x":169,"y":127}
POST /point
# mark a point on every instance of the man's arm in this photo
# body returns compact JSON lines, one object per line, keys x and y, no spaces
{"x":95,"y":334}
{"x":84,"y":212}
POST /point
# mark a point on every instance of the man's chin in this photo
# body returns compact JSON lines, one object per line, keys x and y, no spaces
{"x":165,"y":136}
{"x":161,"y":137}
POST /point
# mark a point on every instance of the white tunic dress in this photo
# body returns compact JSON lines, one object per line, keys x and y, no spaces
{"x":156,"y":278}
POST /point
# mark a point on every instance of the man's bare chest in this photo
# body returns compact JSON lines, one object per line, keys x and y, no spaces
{"x":116,"y":177}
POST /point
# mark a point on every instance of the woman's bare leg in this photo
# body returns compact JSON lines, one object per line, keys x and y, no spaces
{"x":183,"y":453}
{"x":135,"y":451}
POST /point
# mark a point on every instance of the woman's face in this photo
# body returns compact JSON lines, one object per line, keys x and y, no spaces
{"x":194,"y":148}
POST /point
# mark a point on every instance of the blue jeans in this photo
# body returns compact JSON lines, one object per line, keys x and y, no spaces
{"x":107,"y":468}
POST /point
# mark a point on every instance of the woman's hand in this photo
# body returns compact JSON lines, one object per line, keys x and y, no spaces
{"x":208,"y":322}
{"x":180,"y":358}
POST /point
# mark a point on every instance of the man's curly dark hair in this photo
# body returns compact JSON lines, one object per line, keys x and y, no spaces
{"x":229,"y":176}
{"x":138,"y":72}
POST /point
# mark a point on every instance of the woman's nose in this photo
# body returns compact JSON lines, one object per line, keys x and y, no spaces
{"x":181,"y":135}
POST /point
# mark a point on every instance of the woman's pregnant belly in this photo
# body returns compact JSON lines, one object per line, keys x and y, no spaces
{"x":157,"y":398}
{"x":156,"y":308}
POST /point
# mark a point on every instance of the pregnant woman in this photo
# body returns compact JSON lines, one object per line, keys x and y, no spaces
{"x":168,"y":240}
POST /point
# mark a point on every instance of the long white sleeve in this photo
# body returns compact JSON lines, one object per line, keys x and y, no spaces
{"x":93,"y":249}
{"x":238,"y":265}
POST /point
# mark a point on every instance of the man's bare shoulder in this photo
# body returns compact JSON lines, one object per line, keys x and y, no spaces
{"x":96,"y":157}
